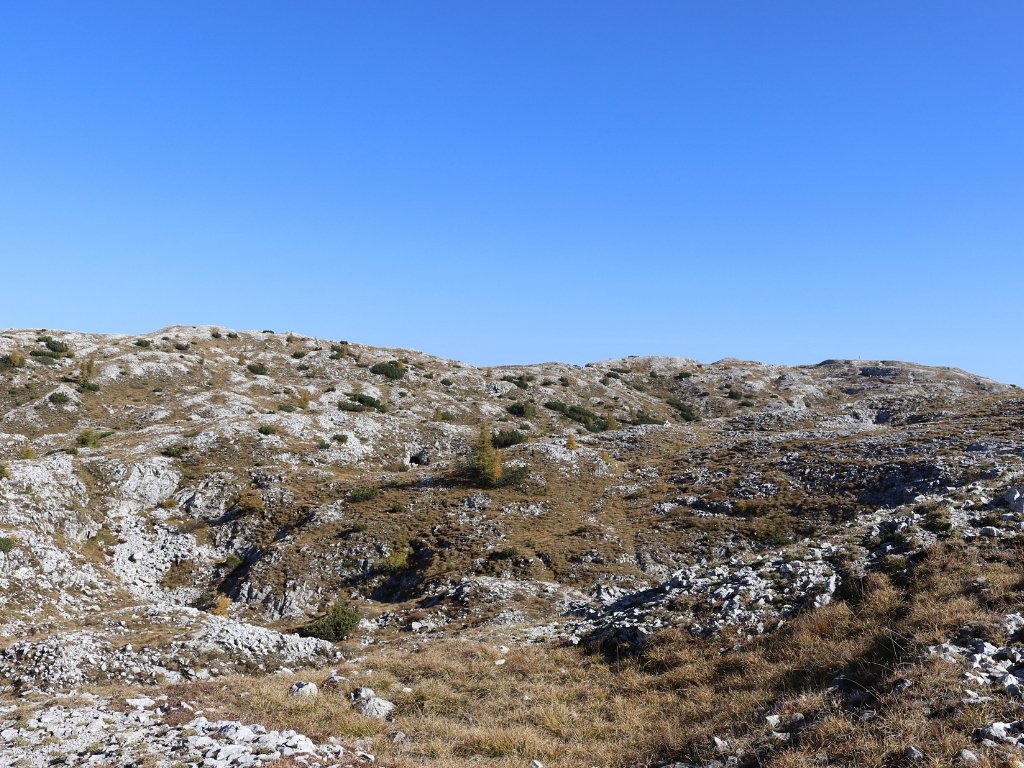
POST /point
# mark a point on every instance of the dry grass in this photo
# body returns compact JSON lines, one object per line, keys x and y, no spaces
{"x":566,"y":708}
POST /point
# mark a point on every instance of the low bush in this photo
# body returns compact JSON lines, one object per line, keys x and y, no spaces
{"x":361,"y":402}
{"x":6,"y":544}
{"x":181,"y":346}
{"x":59,"y":398}
{"x":267,"y":429}
{"x":592,"y":421}
{"x":340,"y":438}
{"x":363,"y":494}
{"x":58,"y":348}
{"x":174,"y":451}
{"x":13,"y":359}
{"x":299,"y":354}
{"x":144,"y":343}
{"x":641,"y":416}
{"x":393,"y":369}
{"x":360,"y":528}
{"x":90,"y":438}
{"x":525,"y":409}
{"x":248,"y":501}
{"x":337,"y":624}
{"x":259,"y":369}
{"x":522,"y":380}
{"x":505,"y":438}
{"x":686,"y":411}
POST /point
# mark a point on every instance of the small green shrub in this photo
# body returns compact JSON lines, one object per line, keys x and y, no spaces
{"x":365,"y":402}
{"x":340,"y":438}
{"x":363,"y":494}
{"x":686,"y":411}
{"x":267,"y":429}
{"x":299,"y":354}
{"x":286,"y":407}
{"x":397,"y":561}
{"x":59,"y":398}
{"x":522,"y":380}
{"x":14,"y":359}
{"x":641,"y":416}
{"x":398,"y":507}
{"x":258,"y":369}
{"x":88,"y":386}
{"x":232,"y":335}
{"x":181,"y":346}
{"x":6,"y":544}
{"x":90,"y":438}
{"x":393,"y":369}
{"x":175,"y":451}
{"x":215,"y":334}
{"x":231,"y":562}
{"x":506,"y":553}
{"x":57,"y":347}
{"x":360,"y":528}
{"x":507,"y":437}
{"x":339,"y":622}
{"x":447,"y":382}
{"x":592,"y":421}
{"x":525,"y":409}
{"x":144,"y":343}
{"x":3,"y":471}
{"x":248,"y":501}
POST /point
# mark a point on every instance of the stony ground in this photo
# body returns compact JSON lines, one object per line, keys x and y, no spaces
{"x":175,"y":506}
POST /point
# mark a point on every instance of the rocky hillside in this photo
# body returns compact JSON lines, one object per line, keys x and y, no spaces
{"x":645,"y":561}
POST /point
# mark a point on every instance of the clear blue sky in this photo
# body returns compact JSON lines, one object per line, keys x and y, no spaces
{"x":523,"y":181}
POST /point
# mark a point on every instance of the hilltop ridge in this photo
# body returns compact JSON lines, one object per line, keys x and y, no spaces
{"x":175,"y":506}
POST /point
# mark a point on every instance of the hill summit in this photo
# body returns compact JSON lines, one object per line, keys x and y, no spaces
{"x":230,"y":548}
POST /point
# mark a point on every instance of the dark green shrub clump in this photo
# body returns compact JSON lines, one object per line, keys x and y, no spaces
{"x":360,"y":402}
{"x":642,"y":417}
{"x":363,"y":494}
{"x":174,"y":451}
{"x":594,"y":422}
{"x":59,"y":398}
{"x":267,"y":429}
{"x":524,"y":409}
{"x":504,"y":438}
{"x":90,"y":438}
{"x":144,"y":343}
{"x":340,"y":438}
{"x":392,"y":369}
{"x":58,"y":348}
{"x":339,"y":622}
{"x":257,"y":368}
{"x":6,"y":544}
{"x":522,"y":380}
{"x":686,"y":411}
{"x":181,"y":346}
{"x":507,"y":553}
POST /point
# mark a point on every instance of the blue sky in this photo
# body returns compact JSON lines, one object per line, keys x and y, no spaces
{"x":528,"y":181}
